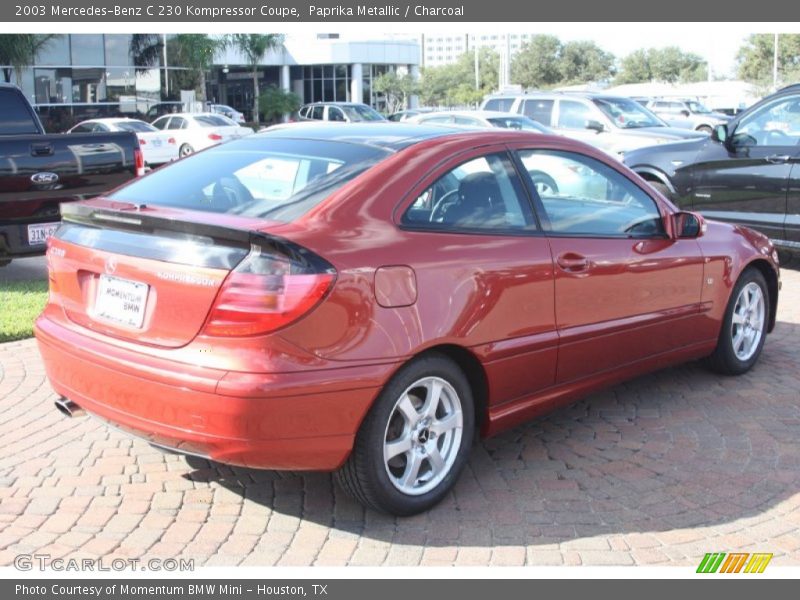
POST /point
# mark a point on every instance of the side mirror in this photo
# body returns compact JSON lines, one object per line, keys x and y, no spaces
{"x":720,"y":133}
{"x":595,"y":126}
{"x":686,"y":113}
{"x":688,"y":224}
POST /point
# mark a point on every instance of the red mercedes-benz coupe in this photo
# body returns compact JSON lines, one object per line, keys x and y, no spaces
{"x":367,"y":298}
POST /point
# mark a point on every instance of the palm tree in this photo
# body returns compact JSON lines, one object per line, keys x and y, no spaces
{"x":254,"y":46}
{"x":19,"y":51}
{"x":145,"y":49}
{"x":197,"y":52}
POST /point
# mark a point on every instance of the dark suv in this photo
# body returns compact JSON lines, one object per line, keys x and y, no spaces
{"x":746,"y":172}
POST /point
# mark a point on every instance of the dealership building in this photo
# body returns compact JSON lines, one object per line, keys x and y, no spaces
{"x":85,"y":75}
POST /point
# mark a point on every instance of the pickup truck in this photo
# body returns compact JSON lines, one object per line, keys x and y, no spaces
{"x":39,"y":171}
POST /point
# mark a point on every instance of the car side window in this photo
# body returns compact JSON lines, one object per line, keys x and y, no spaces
{"x":573,"y":115}
{"x":775,"y":124}
{"x":482,"y":194}
{"x":161,"y":123}
{"x":335,"y":114}
{"x":82,"y":128}
{"x":582,"y":196}
{"x":538,"y":110}
{"x":317,"y":112}
{"x":458,"y":120}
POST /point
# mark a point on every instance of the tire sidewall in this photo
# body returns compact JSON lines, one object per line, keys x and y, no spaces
{"x":374,"y":430}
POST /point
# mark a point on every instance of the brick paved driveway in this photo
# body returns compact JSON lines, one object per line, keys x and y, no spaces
{"x":656,"y":471}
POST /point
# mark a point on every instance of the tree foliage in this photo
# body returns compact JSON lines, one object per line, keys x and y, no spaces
{"x":755,"y":58}
{"x":196,"y":52}
{"x":536,"y":65}
{"x":454,"y":84}
{"x":274,"y":102}
{"x":254,"y":46}
{"x":19,"y":51}
{"x":544,"y":61}
{"x":396,"y":88}
{"x":668,"y":65}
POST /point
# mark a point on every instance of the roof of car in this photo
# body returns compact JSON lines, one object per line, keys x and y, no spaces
{"x":480,"y":114}
{"x":335,"y":104}
{"x":565,"y":94}
{"x":389,"y":136}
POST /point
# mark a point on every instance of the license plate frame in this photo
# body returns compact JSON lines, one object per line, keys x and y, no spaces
{"x":39,"y":232}
{"x":121,"y":301}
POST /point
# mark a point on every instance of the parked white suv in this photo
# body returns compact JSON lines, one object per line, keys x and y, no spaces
{"x":612,"y":123}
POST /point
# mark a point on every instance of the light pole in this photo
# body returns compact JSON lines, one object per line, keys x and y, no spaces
{"x":775,"y":65}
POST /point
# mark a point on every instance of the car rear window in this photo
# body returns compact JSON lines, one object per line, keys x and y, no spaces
{"x":135,"y":126}
{"x":499,"y":104}
{"x":212,"y":121}
{"x":274,"y":178}
{"x":16,"y":118}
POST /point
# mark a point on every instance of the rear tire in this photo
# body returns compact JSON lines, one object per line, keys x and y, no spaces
{"x":415,"y":439}
{"x":185,"y":150}
{"x":744,"y":327}
{"x":661,"y":189}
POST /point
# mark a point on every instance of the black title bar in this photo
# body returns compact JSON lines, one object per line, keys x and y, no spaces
{"x":342,"y":11}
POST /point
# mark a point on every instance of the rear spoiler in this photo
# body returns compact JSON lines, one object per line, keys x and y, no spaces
{"x":131,"y":232}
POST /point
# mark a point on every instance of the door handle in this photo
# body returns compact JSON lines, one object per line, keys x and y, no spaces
{"x":573,"y":262}
{"x":779,"y":159}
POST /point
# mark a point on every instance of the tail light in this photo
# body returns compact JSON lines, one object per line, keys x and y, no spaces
{"x":171,"y":141}
{"x":214,"y":136}
{"x":270,"y":289}
{"x":142,"y":141}
{"x":138,"y":162}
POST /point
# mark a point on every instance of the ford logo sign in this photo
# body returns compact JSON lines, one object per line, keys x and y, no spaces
{"x":44,"y":178}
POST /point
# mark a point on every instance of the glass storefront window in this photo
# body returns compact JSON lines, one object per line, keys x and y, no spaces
{"x":118,"y":50}
{"x":52,"y":86}
{"x":88,"y":85}
{"x":120,"y":82}
{"x":87,"y":49}
{"x":55,"y":52}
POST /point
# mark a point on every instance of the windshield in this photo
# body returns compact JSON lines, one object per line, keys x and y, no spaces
{"x":522,"y":123}
{"x":262,"y":177}
{"x":357,"y":112}
{"x":628,"y":114}
{"x":135,"y":126}
{"x":698,"y":108}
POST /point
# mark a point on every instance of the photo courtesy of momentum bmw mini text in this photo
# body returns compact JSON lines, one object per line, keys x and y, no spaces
{"x":500,"y":296}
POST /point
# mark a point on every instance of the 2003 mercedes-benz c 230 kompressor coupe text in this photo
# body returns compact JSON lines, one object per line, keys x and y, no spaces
{"x":369,"y":298}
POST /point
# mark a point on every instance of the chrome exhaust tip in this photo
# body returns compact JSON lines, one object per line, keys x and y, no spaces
{"x":69,"y":408}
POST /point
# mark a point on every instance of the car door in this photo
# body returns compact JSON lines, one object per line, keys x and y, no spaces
{"x":624,"y":290}
{"x":471,"y":224}
{"x":746,"y":179}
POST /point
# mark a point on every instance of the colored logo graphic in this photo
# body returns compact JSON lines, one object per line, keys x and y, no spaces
{"x":735,"y":562}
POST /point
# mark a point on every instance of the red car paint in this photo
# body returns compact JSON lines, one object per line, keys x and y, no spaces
{"x":531,"y":332}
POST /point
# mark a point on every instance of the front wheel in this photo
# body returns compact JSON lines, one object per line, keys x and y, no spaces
{"x":415,"y":439}
{"x":744,"y":327}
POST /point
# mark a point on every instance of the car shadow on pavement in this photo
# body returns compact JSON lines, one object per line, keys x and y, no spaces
{"x":682,"y":448}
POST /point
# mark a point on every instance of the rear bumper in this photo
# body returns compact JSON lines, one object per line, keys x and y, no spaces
{"x":307,"y":422}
